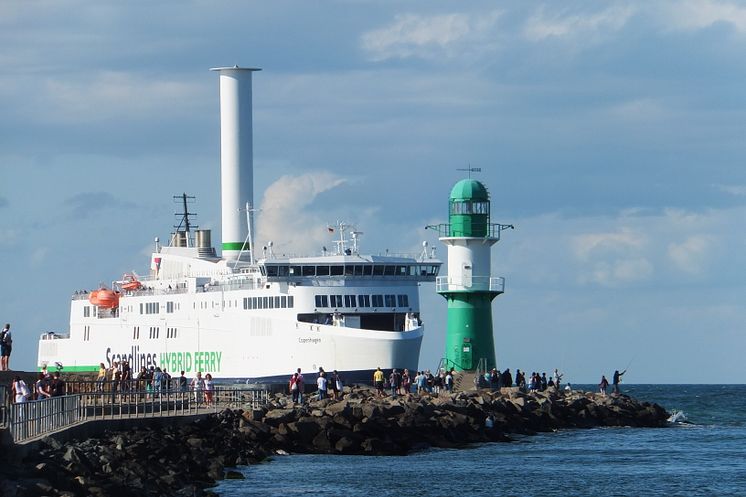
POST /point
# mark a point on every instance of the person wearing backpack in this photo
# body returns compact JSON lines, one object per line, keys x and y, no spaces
{"x":6,"y":346}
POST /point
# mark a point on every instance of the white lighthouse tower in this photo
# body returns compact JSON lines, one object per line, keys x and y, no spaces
{"x":236,"y":157}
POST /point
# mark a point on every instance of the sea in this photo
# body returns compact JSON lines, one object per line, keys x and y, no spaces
{"x":702,"y":456}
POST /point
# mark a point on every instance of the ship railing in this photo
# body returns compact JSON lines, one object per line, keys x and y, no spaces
{"x":37,"y":418}
{"x":469,"y":284}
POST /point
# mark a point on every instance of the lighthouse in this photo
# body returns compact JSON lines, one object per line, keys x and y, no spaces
{"x":469,"y":286}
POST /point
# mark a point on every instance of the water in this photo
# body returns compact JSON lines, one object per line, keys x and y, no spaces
{"x":706,"y":457}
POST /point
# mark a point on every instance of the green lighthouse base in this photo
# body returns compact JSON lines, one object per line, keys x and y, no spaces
{"x":469,"y":332}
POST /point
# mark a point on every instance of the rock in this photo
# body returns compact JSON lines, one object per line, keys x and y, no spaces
{"x":234,"y":475}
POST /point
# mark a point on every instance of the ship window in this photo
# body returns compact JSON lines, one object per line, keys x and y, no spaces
{"x":322,"y":270}
{"x":265,"y":303}
{"x":277,"y":302}
{"x":377,"y":300}
{"x":290,"y":301}
{"x":271,"y":302}
{"x":86,"y":311}
{"x":367,"y":270}
{"x":336,"y":270}
{"x":350,"y":301}
{"x":377,"y":270}
{"x":335,"y":301}
{"x":363,"y":300}
{"x":283,"y":301}
{"x":358,"y":270}
{"x":390,"y":300}
{"x":271,"y":270}
{"x":401,"y":270}
{"x":412,"y":270}
{"x":295,"y":271}
{"x":403,"y":300}
{"x":309,"y":270}
{"x":169,"y":307}
{"x":349,"y":270}
{"x":141,"y":308}
{"x":282,"y":271}
{"x":389,"y":270}
{"x":319,"y":300}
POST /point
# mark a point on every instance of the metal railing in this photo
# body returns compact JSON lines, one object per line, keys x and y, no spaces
{"x":4,"y":405}
{"x":474,"y":283}
{"x":36,"y":418}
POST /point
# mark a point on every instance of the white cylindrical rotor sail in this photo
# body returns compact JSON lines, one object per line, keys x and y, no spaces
{"x":236,"y":157}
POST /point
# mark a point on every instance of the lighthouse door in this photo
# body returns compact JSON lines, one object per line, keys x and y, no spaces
{"x":466,"y":274}
{"x":466,"y":355}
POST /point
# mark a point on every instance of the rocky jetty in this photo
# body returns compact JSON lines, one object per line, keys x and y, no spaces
{"x":188,"y":459}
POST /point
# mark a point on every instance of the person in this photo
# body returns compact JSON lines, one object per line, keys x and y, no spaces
{"x":20,"y":390}
{"x":58,"y":385}
{"x":557,"y":378}
{"x":603,"y":385}
{"x":321,"y":384}
{"x":494,"y":380}
{"x":394,"y":382}
{"x":406,"y":382}
{"x":293,"y":386}
{"x":101,"y":378}
{"x":6,"y":346}
{"x":209,"y":389}
{"x":182,"y":383}
{"x":198,"y":386}
{"x":507,"y":378}
{"x":544,"y":382}
{"x":301,"y":386}
{"x":617,"y":379}
{"x":333,"y":384}
{"x":449,"y":381}
{"x":158,"y":377}
{"x":378,"y":381}
{"x":41,"y":387}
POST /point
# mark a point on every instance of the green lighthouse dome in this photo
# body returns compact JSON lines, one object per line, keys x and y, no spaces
{"x":469,"y":209}
{"x":469,"y":189}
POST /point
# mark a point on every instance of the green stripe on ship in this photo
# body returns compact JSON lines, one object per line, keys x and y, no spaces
{"x":235,"y":246}
{"x":73,"y":369}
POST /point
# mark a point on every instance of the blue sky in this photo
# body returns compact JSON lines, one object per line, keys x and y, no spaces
{"x":610,"y":134}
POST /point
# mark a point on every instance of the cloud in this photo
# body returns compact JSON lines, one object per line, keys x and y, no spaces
{"x":285,"y":217}
{"x":691,"y":255}
{"x":736,"y":190}
{"x":691,"y":15}
{"x":3,"y":202}
{"x":446,"y":35}
{"x":93,"y":204}
{"x":543,"y":25}
{"x":587,"y":245}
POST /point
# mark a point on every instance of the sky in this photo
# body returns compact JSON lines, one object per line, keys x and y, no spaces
{"x":611,"y":134}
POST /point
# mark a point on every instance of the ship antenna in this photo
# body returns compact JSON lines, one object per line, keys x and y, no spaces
{"x":470,"y":169}
{"x":249,"y":238}
{"x":185,"y":199}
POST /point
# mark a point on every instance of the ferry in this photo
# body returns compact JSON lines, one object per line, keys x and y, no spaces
{"x":249,"y":315}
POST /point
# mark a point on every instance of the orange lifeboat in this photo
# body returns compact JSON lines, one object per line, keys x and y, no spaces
{"x":130,"y":283}
{"x":104,"y":297}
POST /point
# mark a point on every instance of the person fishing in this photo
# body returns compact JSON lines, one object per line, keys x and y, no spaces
{"x":616,"y":380}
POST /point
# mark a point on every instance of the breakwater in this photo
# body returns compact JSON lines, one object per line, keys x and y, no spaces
{"x":188,"y":459}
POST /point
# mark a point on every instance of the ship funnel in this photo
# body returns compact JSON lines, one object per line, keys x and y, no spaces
{"x":236,"y":157}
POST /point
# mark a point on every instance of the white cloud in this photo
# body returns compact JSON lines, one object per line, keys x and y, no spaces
{"x":543,"y":25}
{"x":693,"y":15}
{"x":285,"y":219}
{"x":587,"y":245}
{"x":736,"y":190}
{"x":447,"y":35}
{"x":691,"y":255}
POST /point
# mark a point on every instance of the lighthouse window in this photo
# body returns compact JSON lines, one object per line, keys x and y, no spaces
{"x":336,"y":270}
{"x":350,"y":301}
{"x":403,"y":300}
{"x":390,"y":300}
{"x":377,"y":300}
{"x":322,"y":270}
{"x":363,"y":300}
{"x":309,"y":270}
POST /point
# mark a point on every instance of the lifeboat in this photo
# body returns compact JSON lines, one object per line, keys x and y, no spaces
{"x":105,"y":298}
{"x":130,"y":282}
